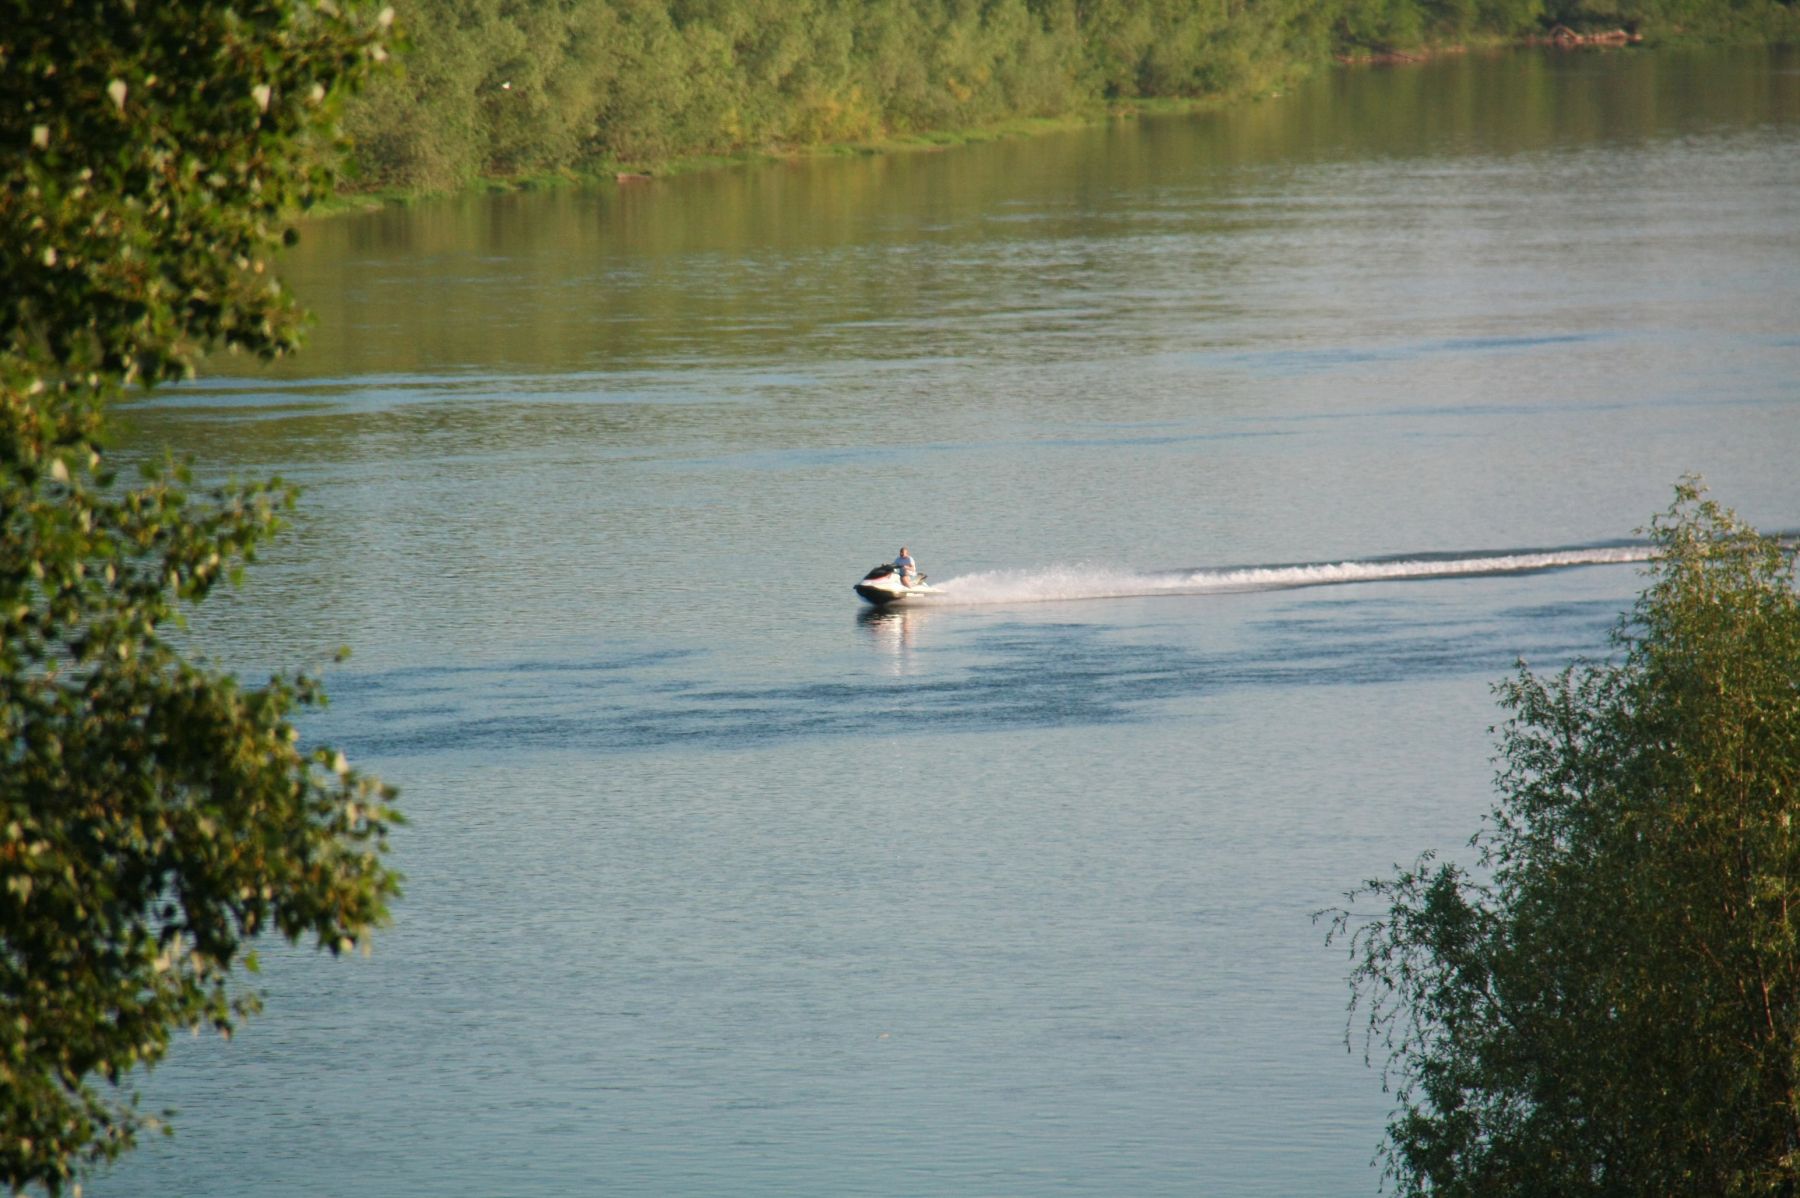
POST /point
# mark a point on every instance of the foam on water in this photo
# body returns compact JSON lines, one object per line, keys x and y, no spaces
{"x":1098,"y":582}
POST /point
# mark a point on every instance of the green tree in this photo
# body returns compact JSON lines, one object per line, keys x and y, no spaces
{"x":1610,"y":1002}
{"x":155,"y":814}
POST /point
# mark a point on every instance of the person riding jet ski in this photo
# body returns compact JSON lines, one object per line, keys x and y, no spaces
{"x":909,"y":570}
{"x":898,"y":581}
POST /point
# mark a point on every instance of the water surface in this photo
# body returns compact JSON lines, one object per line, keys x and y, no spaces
{"x":1252,"y":447}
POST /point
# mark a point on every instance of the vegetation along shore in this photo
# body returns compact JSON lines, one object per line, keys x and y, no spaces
{"x":515,"y":92}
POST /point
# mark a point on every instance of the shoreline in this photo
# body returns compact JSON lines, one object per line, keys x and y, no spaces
{"x":607,"y":174}
{"x":635,"y":174}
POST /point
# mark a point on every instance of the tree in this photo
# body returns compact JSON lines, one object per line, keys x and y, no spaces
{"x":155,"y":815}
{"x":1610,"y":1003}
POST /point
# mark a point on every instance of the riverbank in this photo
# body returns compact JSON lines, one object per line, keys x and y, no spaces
{"x":400,"y":158}
{"x":573,"y":88}
{"x":632,"y":173}
{"x":638,"y":173}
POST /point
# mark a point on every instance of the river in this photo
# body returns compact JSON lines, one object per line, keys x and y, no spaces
{"x":1251,"y":448}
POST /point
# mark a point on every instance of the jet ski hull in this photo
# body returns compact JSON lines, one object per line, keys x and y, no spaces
{"x":884,"y":597}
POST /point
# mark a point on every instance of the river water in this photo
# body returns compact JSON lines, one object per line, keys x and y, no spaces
{"x":1250,"y":448}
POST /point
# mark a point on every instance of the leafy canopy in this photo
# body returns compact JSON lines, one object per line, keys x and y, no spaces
{"x":1610,"y":1003}
{"x":154,"y":814}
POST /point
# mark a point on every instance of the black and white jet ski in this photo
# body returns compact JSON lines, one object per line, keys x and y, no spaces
{"x":884,"y":587}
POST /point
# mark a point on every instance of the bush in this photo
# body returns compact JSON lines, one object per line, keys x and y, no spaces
{"x":1610,"y":1003}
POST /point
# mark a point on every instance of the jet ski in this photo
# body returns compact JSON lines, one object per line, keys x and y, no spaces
{"x":884,"y":587}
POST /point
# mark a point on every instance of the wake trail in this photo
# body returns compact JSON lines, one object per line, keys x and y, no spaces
{"x":1088,"y":582}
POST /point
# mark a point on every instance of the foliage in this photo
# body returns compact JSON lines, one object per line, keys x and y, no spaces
{"x":1611,"y":1003}
{"x":154,"y":814}
{"x":517,"y":88}
{"x":523,"y":87}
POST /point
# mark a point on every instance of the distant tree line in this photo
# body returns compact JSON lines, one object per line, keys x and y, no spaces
{"x":522,"y":88}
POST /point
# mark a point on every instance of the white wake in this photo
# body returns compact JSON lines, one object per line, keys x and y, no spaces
{"x":1091,"y":582}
